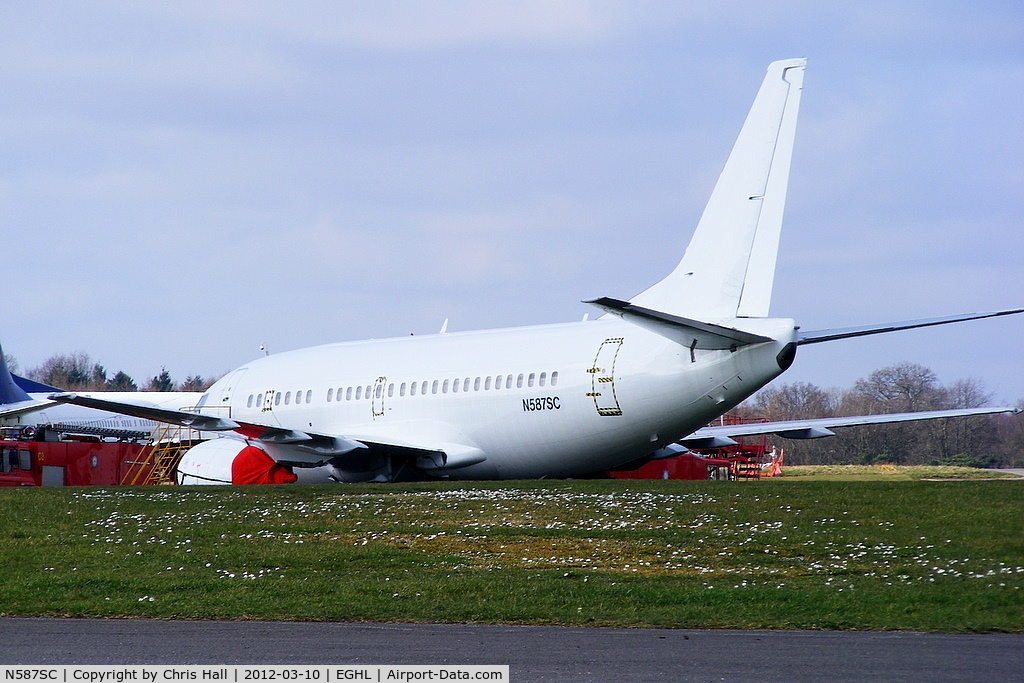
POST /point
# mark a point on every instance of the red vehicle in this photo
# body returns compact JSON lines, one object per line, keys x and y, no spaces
{"x":72,"y":462}
{"x":741,"y":461}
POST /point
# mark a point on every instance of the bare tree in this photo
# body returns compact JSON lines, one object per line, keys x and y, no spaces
{"x":904,"y":387}
{"x":74,"y":372}
{"x":964,"y":441}
{"x":796,"y":401}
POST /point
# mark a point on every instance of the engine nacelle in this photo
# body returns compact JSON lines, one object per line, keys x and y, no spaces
{"x":233,"y":461}
{"x":230,"y":461}
{"x":209,"y":462}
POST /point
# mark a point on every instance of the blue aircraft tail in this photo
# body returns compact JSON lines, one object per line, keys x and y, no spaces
{"x":10,"y":392}
{"x":33,"y":387}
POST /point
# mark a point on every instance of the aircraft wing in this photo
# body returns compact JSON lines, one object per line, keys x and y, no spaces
{"x":722,"y":435}
{"x":815,"y":336}
{"x":300,"y":448}
{"x":149,"y":411}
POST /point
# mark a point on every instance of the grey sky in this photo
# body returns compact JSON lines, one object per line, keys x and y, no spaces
{"x":182,"y":182}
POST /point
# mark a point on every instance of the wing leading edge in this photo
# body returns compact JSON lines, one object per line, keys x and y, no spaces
{"x":718,"y":436}
{"x":148,"y":411}
{"x":816,"y":336}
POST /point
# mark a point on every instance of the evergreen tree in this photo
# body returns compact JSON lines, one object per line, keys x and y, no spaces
{"x":161,"y":382}
{"x":121,"y":382}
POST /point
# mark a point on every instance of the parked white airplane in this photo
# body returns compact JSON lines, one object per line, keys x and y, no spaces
{"x":555,"y":400}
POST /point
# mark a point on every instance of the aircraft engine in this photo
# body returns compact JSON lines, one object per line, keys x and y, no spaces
{"x":234,"y":461}
{"x":230,"y":461}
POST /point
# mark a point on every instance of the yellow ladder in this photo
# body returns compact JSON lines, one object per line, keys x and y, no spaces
{"x":157,"y":461}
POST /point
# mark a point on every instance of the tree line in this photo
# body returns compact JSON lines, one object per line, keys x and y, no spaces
{"x":979,"y":441}
{"x":78,"y":372}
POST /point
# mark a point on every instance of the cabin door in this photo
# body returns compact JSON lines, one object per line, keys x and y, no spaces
{"x":603,"y":377}
{"x":377,"y":401}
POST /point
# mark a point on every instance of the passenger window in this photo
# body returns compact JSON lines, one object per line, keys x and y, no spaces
{"x":391,"y":390}
{"x":554,"y":378}
{"x":519,"y":381}
{"x":379,"y":392}
{"x":508,"y":382}
{"x":476,"y":384}
{"x":401,"y":389}
{"x":455,"y":386}
{"x":359,"y":393}
{"x":348,"y":394}
{"x":444,"y":387}
{"x":259,"y":399}
{"x":330,"y":395}
{"x":433,"y":387}
{"x":309,"y":395}
{"x":542,"y":378}
{"x":287,"y":397}
{"x":487,"y":383}
{"x":277,"y":399}
{"x":465,"y":384}
{"x":412,"y":389}
{"x":529,"y":380}
{"x":248,"y":404}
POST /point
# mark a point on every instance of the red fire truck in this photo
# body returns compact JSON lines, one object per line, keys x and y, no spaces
{"x":70,"y":461}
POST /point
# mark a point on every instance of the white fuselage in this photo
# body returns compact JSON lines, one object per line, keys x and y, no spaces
{"x":553,"y":400}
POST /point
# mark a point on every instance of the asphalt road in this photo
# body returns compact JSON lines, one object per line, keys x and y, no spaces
{"x":534,"y":653}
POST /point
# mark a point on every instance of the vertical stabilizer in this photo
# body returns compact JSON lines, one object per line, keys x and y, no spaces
{"x":729,"y":266}
{"x":9,"y":391}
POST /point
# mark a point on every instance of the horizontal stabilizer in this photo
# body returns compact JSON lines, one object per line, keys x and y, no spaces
{"x":33,"y":387}
{"x":690,"y":333}
{"x":820,"y":427}
{"x":24,"y":407}
{"x":847,"y":332}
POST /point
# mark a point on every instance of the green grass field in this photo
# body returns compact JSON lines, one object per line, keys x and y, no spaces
{"x":789,"y":553}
